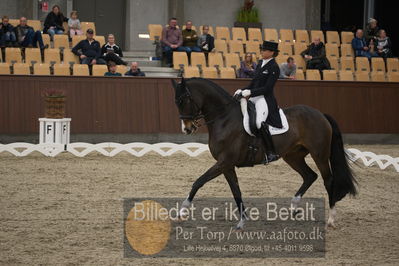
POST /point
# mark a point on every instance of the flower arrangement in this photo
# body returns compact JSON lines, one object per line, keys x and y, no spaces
{"x":248,"y":13}
{"x":54,"y":103}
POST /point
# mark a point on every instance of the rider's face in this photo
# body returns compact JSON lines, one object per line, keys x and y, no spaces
{"x":266,"y":54}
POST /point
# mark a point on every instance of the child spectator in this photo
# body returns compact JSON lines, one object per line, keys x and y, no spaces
{"x":112,"y":70}
{"x":54,"y":21}
{"x":7,"y":34}
{"x":74,"y":24}
{"x":247,"y":67}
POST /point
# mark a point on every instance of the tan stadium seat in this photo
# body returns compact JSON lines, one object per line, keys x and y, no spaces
{"x":362,"y":76}
{"x":330,"y":75}
{"x":232,"y":60}
{"x":346,"y":75}
{"x":66,"y":28}
{"x":80,"y":70}
{"x":299,"y":61}
{"x":281,"y":59}
{"x":70,"y":57}
{"x":155,"y":31}
{"x":5,"y":69}
{"x":302,"y":36}
{"x":271,"y":35}
{"x":52,"y":55}
{"x":221,"y":46}
{"x":1,"y":56}
{"x":393,"y":76}
{"x":392,"y":65}
{"x":222,"y":33}
{"x":313,"y":74}
{"x":209,"y":72}
{"x":88,"y":25}
{"x":333,"y":37}
{"x":285,"y":48}
{"x":299,"y":75}
{"x":33,"y":55}
{"x":378,"y":76}
{"x":347,"y":51}
{"x":286,"y":36}
{"x":41,"y":69}
{"x":210,"y":31}
{"x":236,"y":47}
{"x":333,"y":62}
{"x":62,"y":70}
{"x":253,"y":47}
{"x":46,"y":39}
{"x":215,"y":59}
{"x":35,"y":24}
{"x":299,"y":47}
{"x":13,"y":54}
{"x":99,"y":70}
{"x":317,"y":33}
{"x":100,"y":39}
{"x":254,"y":34}
{"x":21,"y":69}
{"x":61,"y":41}
{"x":121,"y":69}
{"x":239,"y":34}
{"x":198,"y":59}
{"x":332,"y":50}
{"x":14,"y":22}
{"x":347,"y":37}
{"x":76,"y":39}
{"x":227,"y":73}
{"x":362,"y":64}
{"x":179,"y":58}
{"x":377,"y":64}
{"x":191,"y":71}
{"x":347,"y":64}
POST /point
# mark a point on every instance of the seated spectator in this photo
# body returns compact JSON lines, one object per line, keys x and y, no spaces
{"x":206,"y":41}
{"x":288,"y":70}
{"x":360,"y":46}
{"x":74,"y":25}
{"x":371,"y":30}
{"x":172,"y":40}
{"x":54,"y":21}
{"x":112,"y":52}
{"x":112,"y":70}
{"x":7,"y":34}
{"x":89,"y":50}
{"x":247,"y":67}
{"x":135,"y":70}
{"x":27,"y":37}
{"x":384,"y":46}
{"x":315,"y":56}
{"x":190,"y":38}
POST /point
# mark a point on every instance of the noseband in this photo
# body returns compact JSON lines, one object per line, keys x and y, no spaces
{"x":196,"y":111}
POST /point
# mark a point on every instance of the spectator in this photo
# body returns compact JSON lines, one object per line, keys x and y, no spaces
{"x":384,"y":46}
{"x":89,"y":50}
{"x":135,"y":71}
{"x":288,"y":70}
{"x":206,"y":41}
{"x":74,"y":25}
{"x":27,"y":37}
{"x":360,"y":46}
{"x":54,"y":21}
{"x":190,"y":38}
{"x":172,"y":40}
{"x":315,"y":56}
{"x":371,"y":30}
{"x":112,"y":70}
{"x":112,"y":52}
{"x":7,"y":34}
{"x":247,"y":67}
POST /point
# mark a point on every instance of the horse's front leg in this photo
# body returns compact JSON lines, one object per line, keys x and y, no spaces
{"x":231,"y":178}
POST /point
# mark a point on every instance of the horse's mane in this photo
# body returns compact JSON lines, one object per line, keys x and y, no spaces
{"x":217,"y":88}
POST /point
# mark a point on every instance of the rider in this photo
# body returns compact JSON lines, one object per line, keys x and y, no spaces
{"x":260,"y":91}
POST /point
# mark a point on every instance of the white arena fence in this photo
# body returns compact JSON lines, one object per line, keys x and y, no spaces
{"x":139,"y":149}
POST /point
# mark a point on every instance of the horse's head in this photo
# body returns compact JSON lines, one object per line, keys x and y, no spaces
{"x":189,"y":111}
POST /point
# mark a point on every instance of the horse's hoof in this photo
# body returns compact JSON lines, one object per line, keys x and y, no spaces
{"x":331,"y":225}
{"x":238,"y":230}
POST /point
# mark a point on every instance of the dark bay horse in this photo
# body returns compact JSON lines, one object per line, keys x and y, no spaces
{"x":310,"y":132}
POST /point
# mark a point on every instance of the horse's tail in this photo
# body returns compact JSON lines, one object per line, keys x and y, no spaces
{"x":343,"y":181}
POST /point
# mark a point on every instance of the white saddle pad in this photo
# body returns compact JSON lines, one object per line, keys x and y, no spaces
{"x":273,"y":130}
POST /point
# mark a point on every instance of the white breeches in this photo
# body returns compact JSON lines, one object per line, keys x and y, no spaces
{"x":261,"y":110}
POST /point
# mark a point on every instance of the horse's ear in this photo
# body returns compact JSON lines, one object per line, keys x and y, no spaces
{"x":174,"y":84}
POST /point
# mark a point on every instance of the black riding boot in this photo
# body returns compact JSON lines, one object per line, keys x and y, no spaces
{"x":268,"y":143}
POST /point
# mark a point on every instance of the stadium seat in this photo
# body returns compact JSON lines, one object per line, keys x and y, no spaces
{"x":215,"y":59}
{"x":21,"y":69}
{"x":227,"y":73}
{"x":333,"y":62}
{"x":33,"y":55}
{"x":299,"y":47}
{"x":347,"y":64}
{"x":362,"y":76}
{"x":100,"y":39}
{"x":5,"y":69}
{"x":302,"y":36}
{"x":221,"y":46}
{"x":236,"y":47}
{"x":346,"y":75}
{"x":88,"y":25}
{"x":285,"y":48}
{"x":155,"y":31}
{"x":62,"y":70}
{"x":191,"y":71}
{"x":329,"y":74}
{"x":80,"y":70}
{"x":69,"y":57}
{"x":66,"y":28}
{"x":76,"y":39}
{"x":41,"y":69}
{"x":232,"y":60}
{"x":179,"y":58}
{"x":254,"y":34}
{"x":46,"y":39}
{"x":346,"y":50}
{"x":35,"y":24}
{"x":13,"y":54}
{"x":271,"y":35}
{"x":99,"y":70}
{"x":209,"y":72}
{"x":346,"y":37}
{"x":198,"y":59}
{"x":393,"y":76}
{"x":1,"y":56}
{"x":223,"y":33}
{"x":362,"y":64}
{"x":392,"y":64}
{"x":52,"y":55}
{"x":377,"y":76}
{"x":121,"y":69}
{"x":281,"y":59}
{"x":239,"y":34}
{"x":317,"y":33}
{"x":299,"y":75}
{"x":286,"y":36}
{"x":253,"y":47}
{"x":14,"y":22}
{"x":333,"y":37}
{"x":299,"y":61}
{"x":211,"y":32}
{"x":332,"y":50}
{"x":377,"y":64}
{"x":61,"y":41}
{"x":313,"y":74}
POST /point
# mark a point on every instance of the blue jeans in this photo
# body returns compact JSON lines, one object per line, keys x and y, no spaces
{"x":169,"y":51}
{"x":7,"y":37}
{"x":367,"y":54}
{"x":33,"y":38}
{"x":190,"y":49}
{"x":53,"y":31}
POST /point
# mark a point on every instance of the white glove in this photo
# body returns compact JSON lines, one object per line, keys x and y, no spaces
{"x":237,"y":92}
{"x":246,"y":93}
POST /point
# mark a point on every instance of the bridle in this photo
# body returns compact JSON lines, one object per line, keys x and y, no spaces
{"x":197,"y":113}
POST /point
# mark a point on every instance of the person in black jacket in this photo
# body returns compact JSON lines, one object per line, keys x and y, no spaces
{"x":261,"y":93}
{"x":27,"y":37}
{"x":54,"y":21}
{"x":135,"y":70}
{"x":89,"y":50}
{"x":315,"y":56}
{"x":112,"y":52}
{"x":7,"y":34}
